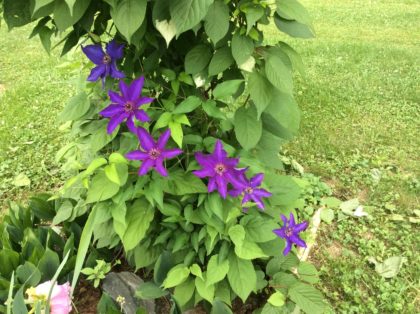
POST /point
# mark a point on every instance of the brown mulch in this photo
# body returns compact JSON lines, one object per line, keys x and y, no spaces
{"x":86,"y":298}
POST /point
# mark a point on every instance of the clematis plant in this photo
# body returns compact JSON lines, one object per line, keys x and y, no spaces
{"x":154,"y":153}
{"x":250,"y":191}
{"x":60,"y":301}
{"x":219,"y":169}
{"x":290,"y":232}
{"x":126,"y":106}
{"x":105,"y":61}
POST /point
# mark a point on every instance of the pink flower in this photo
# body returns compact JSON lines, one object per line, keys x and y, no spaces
{"x":60,"y":302}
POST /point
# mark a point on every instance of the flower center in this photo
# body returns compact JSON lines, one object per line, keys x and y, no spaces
{"x":106,"y":59}
{"x":289,"y":232}
{"x":220,"y":169}
{"x":154,"y":153}
{"x":129,"y":106}
{"x":249,"y":190}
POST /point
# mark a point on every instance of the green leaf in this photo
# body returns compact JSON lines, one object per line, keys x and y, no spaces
{"x":188,"y":13}
{"x":253,"y":14}
{"x":64,"y":212}
{"x":259,"y":229}
{"x":180,"y":183}
{"x":241,"y":276}
{"x":197,"y":59}
{"x":149,"y":291}
{"x":220,"y":307}
{"x":21,"y":180}
{"x":117,"y":173}
{"x":83,"y":247}
{"x":162,"y":20}
{"x":45,"y":34}
{"x":48,"y":264}
{"x":205,"y":290}
{"x":196,"y":271}
{"x":101,"y":188}
{"x":309,"y":299}
{"x":216,"y":271}
{"x":138,"y":218}
{"x":293,"y":28}
{"x":308,"y":272}
{"x":28,"y":273}
{"x":277,"y":70}
{"x":327,"y":215}
{"x":75,"y":108}
{"x":62,"y":16}
{"x":162,"y":267}
{"x":390,"y":267}
{"x":294,"y":57}
{"x":248,"y":129}
{"x":281,"y":263}
{"x":188,"y":105}
{"x":271,"y":309}
{"x":176,"y":276}
{"x":128,"y":16}
{"x":260,"y":90}
{"x":227,"y":89}
{"x":293,"y":10}
{"x":285,"y":190}
{"x":221,"y":60}
{"x":9,"y":261}
{"x":282,"y":116}
{"x":244,"y":248}
{"x":212,"y":110}
{"x":242,"y":48}
{"x":217,"y":21}
{"x":163,"y":120}
{"x":276,"y":299}
{"x":18,"y":305}
{"x":176,"y":132}
{"x":16,"y":13}
{"x":184,"y":292}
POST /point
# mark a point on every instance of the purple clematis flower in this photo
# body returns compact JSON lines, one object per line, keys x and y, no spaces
{"x":106,"y":62}
{"x":250,"y":190}
{"x":220,"y":169}
{"x":290,"y":232}
{"x":126,"y":106}
{"x":153,"y":153}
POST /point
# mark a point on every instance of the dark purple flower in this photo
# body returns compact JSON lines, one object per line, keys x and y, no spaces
{"x":290,"y":232}
{"x":126,"y":106}
{"x":250,"y":190}
{"x":153,"y":153}
{"x":220,"y":169}
{"x":106,"y":62}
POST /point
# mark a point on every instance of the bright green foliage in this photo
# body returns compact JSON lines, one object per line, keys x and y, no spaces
{"x":213,"y":77}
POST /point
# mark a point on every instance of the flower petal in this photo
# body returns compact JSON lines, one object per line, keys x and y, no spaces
{"x":115,"y":121}
{"x":257,"y":180}
{"x":171,"y":153}
{"x":141,"y":115}
{"x":137,"y":155}
{"x":212,"y":185}
{"x":123,"y":89}
{"x":262,"y":193}
{"x":202,"y":173}
{"x":160,"y":168}
{"x":146,"y":140}
{"x":283,"y":217}
{"x":130,"y":124}
{"x":96,"y":73}
{"x":219,"y":152}
{"x":116,"y":98}
{"x":221,"y":186}
{"x":144,"y":100}
{"x":235,"y":192}
{"x":298,"y":241}
{"x":163,"y":139}
{"x":114,"y":72}
{"x":111,"y":110}
{"x":246,"y":198}
{"x":300,"y":227}
{"x":291,"y":220}
{"x":257,"y":201}
{"x":279,"y":233}
{"x":145,"y":166}
{"x":134,"y":90}
{"x":287,"y":248}
{"x":114,"y":49}
{"x":204,"y":160}
{"x":94,"y":53}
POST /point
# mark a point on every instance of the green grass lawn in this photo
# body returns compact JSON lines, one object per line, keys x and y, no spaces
{"x":359,"y":132}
